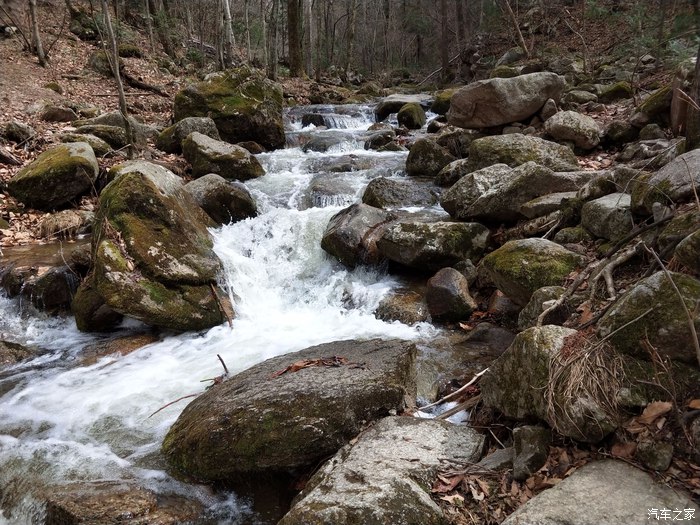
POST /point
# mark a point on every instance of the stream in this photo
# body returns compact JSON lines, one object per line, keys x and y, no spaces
{"x":64,"y":420}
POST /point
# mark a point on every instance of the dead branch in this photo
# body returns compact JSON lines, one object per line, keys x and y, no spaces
{"x":465,"y":405}
{"x":431,"y":75}
{"x":458,"y":391}
{"x":8,"y":158}
{"x":172,"y":403}
{"x":140,"y":84}
{"x":223,"y":310}
{"x":607,"y":267}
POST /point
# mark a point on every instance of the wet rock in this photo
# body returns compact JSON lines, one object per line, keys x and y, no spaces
{"x":430,"y":246}
{"x":516,"y":149}
{"x":170,"y":139}
{"x":516,"y":385}
{"x":379,"y":139}
{"x":19,"y":132}
{"x":225,"y":202}
{"x":383,"y":192}
{"x":13,"y":353}
{"x":407,"y":307}
{"x":99,"y":146}
{"x":57,"y":177}
{"x":325,"y":141}
{"x":665,"y":326}
{"x":50,"y":289}
{"x":209,"y":155}
{"x":393,"y":103}
{"x":497,"y":193}
{"x":608,"y":217}
{"x":160,"y":268}
{"x":329,"y":189}
{"x":384,"y":477}
{"x":411,"y":116}
{"x":540,"y":300}
{"x":480,"y":104}
{"x":497,"y":338}
{"x":123,"y":345}
{"x":351,"y":234}
{"x":262,"y":422}
{"x":672,"y":184}
{"x":447,"y":296}
{"x":531,"y":448}
{"x":426,"y":158}
{"x":242,"y":102}
{"x":574,"y":127}
{"x":520,"y":267}
{"x":90,"y":311}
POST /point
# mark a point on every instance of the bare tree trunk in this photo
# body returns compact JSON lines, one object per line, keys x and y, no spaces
{"x":114,"y":62}
{"x":319,"y":20}
{"x":444,"y":42}
{"x":516,"y":26}
{"x":352,"y":18}
{"x":387,"y":16}
{"x":149,"y":25}
{"x":247,"y":29}
{"x":692,"y":130}
{"x":162,"y":29}
{"x":229,"y":39}
{"x":266,"y":33}
{"x":296,"y":66}
{"x":308,"y":38}
{"x":273,"y":42}
{"x":36,"y":37}
{"x":461,"y":27}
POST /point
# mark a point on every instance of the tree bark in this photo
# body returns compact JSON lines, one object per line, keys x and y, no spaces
{"x":247,"y":30}
{"x":444,"y":41}
{"x":273,"y":41}
{"x":692,"y":129}
{"x":149,"y":25}
{"x":229,"y":40}
{"x":319,"y":20}
{"x":114,"y":62}
{"x":308,"y":38}
{"x":352,"y":18}
{"x":516,"y":26}
{"x":162,"y":29}
{"x":296,"y":67}
{"x":36,"y":37}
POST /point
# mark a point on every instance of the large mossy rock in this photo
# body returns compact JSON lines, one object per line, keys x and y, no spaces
{"x":673,"y":184}
{"x":427,"y":158}
{"x":265,"y":420}
{"x":57,"y":177}
{"x":141,"y":131}
{"x":153,"y":256}
{"x":497,"y":193}
{"x":90,"y":311}
{"x":429,"y":246}
{"x":500,"y":101}
{"x":515,"y":149}
{"x":571,"y":126}
{"x":520,"y":267}
{"x":517,"y":382}
{"x":170,"y":139}
{"x":411,"y":116}
{"x":384,"y":192}
{"x":652,"y":311}
{"x":99,"y":146}
{"x":385,"y":477}
{"x":242,"y":102}
{"x":352,"y":233}
{"x":394,"y":103}
{"x":208,"y":155}
{"x":224,"y":201}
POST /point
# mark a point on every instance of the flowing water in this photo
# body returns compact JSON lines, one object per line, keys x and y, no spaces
{"x":62,"y":421}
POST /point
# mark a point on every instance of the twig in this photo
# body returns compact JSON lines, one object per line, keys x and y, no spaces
{"x":221,"y":308}
{"x":458,"y":391}
{"x":465,"y":405}
{"x":691,"y":322}
{"x":431,"y":75}
{"x":223,"y":364}
{"x":172,"y":403}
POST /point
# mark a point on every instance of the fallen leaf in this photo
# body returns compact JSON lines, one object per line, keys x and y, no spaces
{"x":694,"y":404}
{"x":653,"y":411}
{"x":624,"y":450}
{"x":454,"y":499}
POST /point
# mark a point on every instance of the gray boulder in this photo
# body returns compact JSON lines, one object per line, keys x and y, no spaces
{"x":482,"y":104}
{"x":688,"y":252}
{"x":607,"y":491}
{"x":457,"y":140}
{"x":115,"y":119}
{"x":517,"y":385}
{"x":451,"y":173}
{"x":153,"y":253}
{"x":352,"y":233}
{"x":498,"y":193}
{"x":17,"y":131}
{"x":608,"y":217}
{"x":385,"y":476}
{"x":530,"y":450}
{"x":426,"y":158}
{"x":170,"y":139}
{"x":207,"y":155}
{"x":394,"y":103}
{"x":429,"y":246}
{"x":515,"y":149}
{"x":665,"y":323}
{"x":571,"y":126}
{"x":383,"y":192}
{"x":673,"y":183}
{"x":269,"y":419}
{"x":57,"y":177}
{"x":242,"y":102}
{"x":225,"y":202}
{"x":447,"y":296}
{"x":540,"y":300}
{"x":115,"y":136}
{"x":520,"y":267}
{"x":541,"y":206}
{"x":99,"y":146}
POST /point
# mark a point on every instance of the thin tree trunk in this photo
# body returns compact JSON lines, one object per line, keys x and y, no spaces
{"x":308,"y":38}
{"x":352,"y":18}
{"x":161,"y":28}
{"x":36,"y":37}
{"x":461,"y":27}
{"x":516,"y":26}
{"x":114,"y":62}
{"x":265,"y":33}
{"x":273,"y":43}
{"x":319,"y":20}
{"x":387,"y":16}
{"x":149,"y":25}
{"x":229,"y":40}
{"x":444,"y":42}
{"x":247,"y":30}
{"x":296,"y":67}
{"x":692,"y":126}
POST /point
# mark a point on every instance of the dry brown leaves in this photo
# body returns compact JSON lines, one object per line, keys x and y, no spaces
{"x":334,"y":361}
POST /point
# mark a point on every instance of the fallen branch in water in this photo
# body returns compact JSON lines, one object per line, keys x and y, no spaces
{"x":172,"y":403}
{"x":458,"y":391}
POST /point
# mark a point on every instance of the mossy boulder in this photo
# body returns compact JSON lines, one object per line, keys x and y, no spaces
{"x":99,"y":146}
{"x":430,"y":246}
{"x":516,"y":385}
{"x":90,"y":311}
{"x":114,"y":136}
{"x":170,"y":139}
{"x":540,"y":300}
{"x":688,"y":252}
{"x":674,"y":184}
{"x":608,"y":217}
{"x":520,"y":267}
{"x":678,"y":229}
{"x":262,"y":421}
{"x":100,"y":62}
{"x":207,"y":155}
{"x":385,"y":477}
{"x":457,"y":140}
{"x":393,"y":103}
{"x":652,"y":311}
{"x":504,"y":72}
{"x":614,"y":92}
{"x":384,"y":192}
{"x":127,"y":50}
{"x":12,"y":353}
{"x":572,"y":126}
{"x":515,"y":149}
{"x":242,"y":102}
{"x":57,"y":177}
{"x":411,"y":116}
{"x":426,"y":158}
{"x":441,"y":104}
{"x":224,"y":201}
{"x":657,"y":106}
{"x":153,"y":257}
